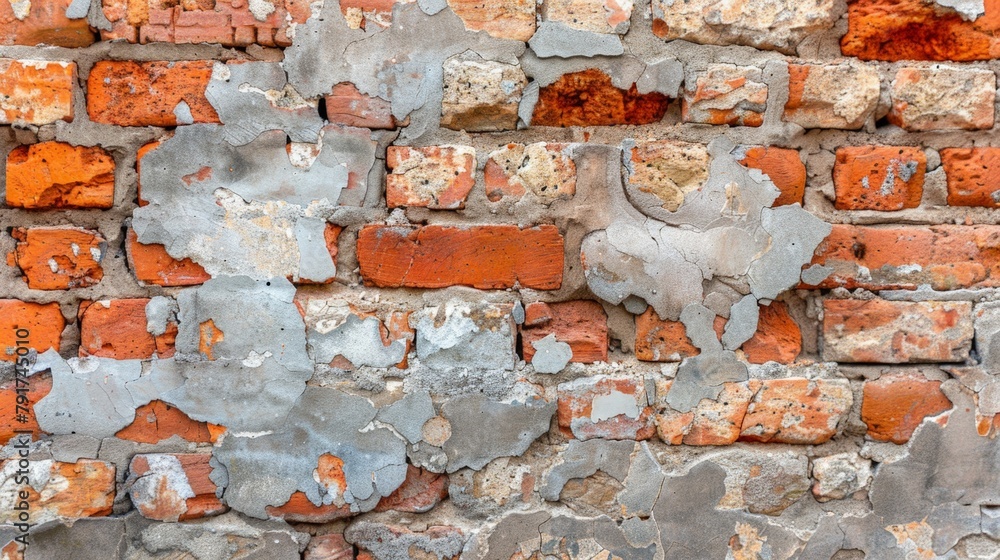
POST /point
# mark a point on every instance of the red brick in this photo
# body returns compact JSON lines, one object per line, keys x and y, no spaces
{"x":894,"y":405}
{"x":778,"y":337}
{"x":725,"y":94}
{"x":437,"y":177}
{"x":82,"y":489}
{"x":151,"y":264}
{"x":331,"y":546}
{"x":43,"y":321}
{"x":547,"y":170}
{"x":58,"y":258}
{"x":39,"y":386}
{"x":804,"y":411}
{"x":348,"y":106}
{"x":128,"y":93}
{"x":904,"y":257}
{"x":36,"y":92}
{"x":895,"y":332}
{"x":420,"y":492}
{"x":117,"y":329}
{"x":588,"y":98}
{"x":917,"y":30}
{"x":54,"y":175}
{"x":359,"y":13}
{"x":158,"y":496}
{"x":485,"y":257}
{"x":972,"y":176}
{"x":504,"y":19}
{"x":157,"y":421}
{"x":45,"y":24}
{"x":581,"y":324}
{"x":585,"y":407}
{"x":710,"y":422}
{"x":879,"y":177}
{"x":658,"y":340}
{"x":842,"y":96}
{"x":783,"y":167}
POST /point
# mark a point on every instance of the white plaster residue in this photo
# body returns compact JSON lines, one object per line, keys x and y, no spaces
{"x":261,"y":9}
{"x":21,"y":8}
{"x":605,"y":407}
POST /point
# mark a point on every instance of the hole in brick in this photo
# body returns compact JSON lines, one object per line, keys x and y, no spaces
{"x":321,"y":108}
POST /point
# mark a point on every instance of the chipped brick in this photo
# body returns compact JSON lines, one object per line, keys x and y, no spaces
{"x":972,"y":177}
{"x":128,"y":93}
{"x":36,"y":92}
{"x":943,"y":97}
{"x":608,"y":408}
{"x":783,"y":167}
{"x":151,"y":264}
{"x":725,"y":94}
{"x":588,"y":98}
{"x":581,"y":324}
{"x":803,"y":411}
{"x":117,"y":329}
{"x":58,"y":258}
{"x":438,"y":177}
{"x":882,"y":178}
{"x":53,"y":175}
{"x":43,"y":321}
{"x":894,"y":405}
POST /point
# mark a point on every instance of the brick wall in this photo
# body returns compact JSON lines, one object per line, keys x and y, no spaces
{"x":575,"y":279}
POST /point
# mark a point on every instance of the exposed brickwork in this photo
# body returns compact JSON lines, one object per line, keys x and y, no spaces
{"x":58,"y":258}
{"x":879,"y":177}
{"x":894,"y":405}
{"x":130,"y":93}
{"x":36,"y":92}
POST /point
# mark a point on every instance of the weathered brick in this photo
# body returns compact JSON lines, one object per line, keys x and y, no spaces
{"x":779,"y":25}
{"x":546,"y":170}
{"x":157,"y":421}
{"x":348,"y":106}
{"x":831,"y":95}
{"x":588,"y":98}
{"x":503,"y":19}
{"x":894,"y":405}
{"x":778,"y":337}
{"x":943,"y":97}
{"x":710,"y":422}
{"x":485,"y":257}
{"x":725,"y":94}
{"x":896,"y":331}
{"x":58,"y":258}
{"x":839,"y":476}
{"x":480,"y":95}
{"x":658,"y":340}
{"x":330,"y":473}
{"x":43,"y":23}
{"x":36,"y":92}
{"x":782,"y":166}
{"x":43,"y":321}
{"x":117,"y":329}
{"x":128,"y":93}
{"x":54,"y":175}
{"x":972,"y":176}
{"x":605,"y":407}
{"x":173,"y":487}
{"x":581,"y":324}
{"x":151,"y":264}
{"x":359,"y":13}
{"x":332,"y":546}
{"x":945,"y":257}
{"x":668,"y":169}
{"x":438,"y":177}
{"x":420,"y":492}
{"x":804,"y":411}
{"x":882,"y":178}
{"x":597,"y":16}
{"x":71,"y":490}
{"x":918,"y":30}
{"x":39,"y":385}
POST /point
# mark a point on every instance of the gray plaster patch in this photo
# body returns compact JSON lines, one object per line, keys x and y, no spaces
{"x":702,"y":377}
{"x":72,"y":447}
{"x":89,"y":395}
{"x":335,"y":331}
{"x":742,"y":324}
{"x":78,"y":9}
{"x":254,"y":97}
{"x":182,"y":112}
{"x":555,"y":39}
{"x":82,"y":539}
{"x":642,"y":485}
{"x":224,"y":537}
{"x":969,"y":9}
{"x":460,"y":335}
{"x":324,"y":420}
{"x":584,"y":458}
{"x":235,"y":210}
{"x":483,"y":429}
{"x":388,"y":542}
{"x":408,"y":415}
{"x":431,"y":7}
{"x":160,"y":310}
{"x":664,"y":76}
{"x":551,"y":355}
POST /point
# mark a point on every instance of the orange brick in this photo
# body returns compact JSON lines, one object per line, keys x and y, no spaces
{"x":778,"y":337}
{"x":804,"y":411}
{"x":485,"y":257}
{"x":918,"y":30}
{"x":332,"y":546}
{"x":783,"y":167}
{"x":330,"y":473}
{"x":36,"y":92}
{"x":151,"y":264}
{"x":348,"y":106}
{"x":128,"y":93}
{"x":46,"y":24}
{"x":58,"y":258}
{"x":879,"y":177}
{"x":972,"y":176}
{"x":117,"y":329}
{"x":82,"y":489}
{"x":658,"y":340}
{"x":578,"y":399}
{"x":886,"y":258}
{"x":894,"y":405}
{"x":43,"y":321}
{"x":710,"y":422}
{"x":157,"y":421}
{"x":39,"y":386}
{"x":420,"y":492}
{"x":588,"y":98}
{"x":53,"y":175}
{"x":153,"y":488}
{"x":581,"y":324}
{"x":504,"y":19}
{"x":438,"y":177}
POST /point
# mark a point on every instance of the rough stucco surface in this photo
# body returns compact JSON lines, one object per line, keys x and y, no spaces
{"x":574,"y":279}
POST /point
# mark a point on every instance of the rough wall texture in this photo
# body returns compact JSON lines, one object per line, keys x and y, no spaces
{"x":581,"y":279}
